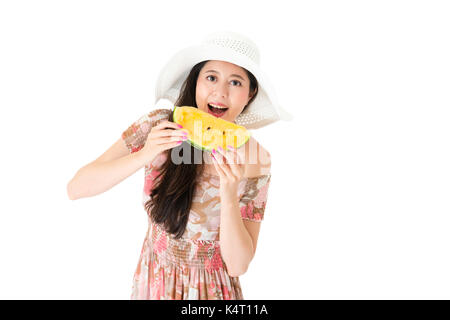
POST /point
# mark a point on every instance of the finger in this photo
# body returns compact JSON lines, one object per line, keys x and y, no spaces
{"x":171,"y":133}
{"x":217,"y":166}
{"x":236,"y":167}
{"x":171,"y":144}
{"x":236,"y":159}
{"x":240,"y":154}
{"x":164,"y":140}
{"x":231,"y":158}
{"x":168,"y":124}
{"x":217,"y":156}
{"x":222,"y":168}
{"x":227,"y":170}
{"x":227,"y":155}
{"x":225,"y":167}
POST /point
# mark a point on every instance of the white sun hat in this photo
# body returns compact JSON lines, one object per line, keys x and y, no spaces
{"x":230,"y":47}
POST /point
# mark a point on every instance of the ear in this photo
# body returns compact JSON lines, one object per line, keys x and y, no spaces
{"x":252,"y":94}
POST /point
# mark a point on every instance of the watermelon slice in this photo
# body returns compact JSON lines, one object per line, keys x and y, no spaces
{"x":206,"y":132}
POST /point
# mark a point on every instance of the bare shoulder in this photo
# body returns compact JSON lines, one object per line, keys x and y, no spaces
{"x":257,"y":159}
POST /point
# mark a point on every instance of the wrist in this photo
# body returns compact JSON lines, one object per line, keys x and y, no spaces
{"x":143,"y":157}
{"x":229,"y":195}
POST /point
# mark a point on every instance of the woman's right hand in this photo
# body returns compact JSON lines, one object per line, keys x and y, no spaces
{"x":163,"y":136}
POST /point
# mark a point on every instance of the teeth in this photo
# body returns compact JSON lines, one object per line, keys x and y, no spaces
{"x":218,"y":107}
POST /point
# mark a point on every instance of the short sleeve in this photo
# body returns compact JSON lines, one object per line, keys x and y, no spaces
{"x":136,"y":134}
{"x":252,"y":203}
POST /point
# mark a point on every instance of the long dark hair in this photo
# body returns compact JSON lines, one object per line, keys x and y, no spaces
{"x":171,"y":196}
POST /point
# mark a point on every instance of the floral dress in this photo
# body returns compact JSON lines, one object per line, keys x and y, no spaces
{"x":190,"y":268}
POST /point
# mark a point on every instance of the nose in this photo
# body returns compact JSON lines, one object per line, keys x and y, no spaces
{"x":221,"y":90}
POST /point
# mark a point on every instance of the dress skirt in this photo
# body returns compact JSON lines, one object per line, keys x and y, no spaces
{"x":182,"y":269}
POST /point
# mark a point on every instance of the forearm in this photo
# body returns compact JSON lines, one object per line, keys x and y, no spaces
{"x":96,"y":178}
{"x":236,"y":245}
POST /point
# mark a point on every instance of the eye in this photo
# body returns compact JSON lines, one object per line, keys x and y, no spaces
{"x":237,"y":82}
{"x":209,"y":76}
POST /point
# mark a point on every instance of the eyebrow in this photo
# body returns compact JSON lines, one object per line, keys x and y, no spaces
{"x":233,"y":75}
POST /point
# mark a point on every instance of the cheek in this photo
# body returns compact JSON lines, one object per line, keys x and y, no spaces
{"x":242,"y":96}
{"x":201,"y":89}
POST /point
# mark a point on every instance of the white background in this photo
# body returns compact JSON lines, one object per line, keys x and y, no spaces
{"x":358,"y":205}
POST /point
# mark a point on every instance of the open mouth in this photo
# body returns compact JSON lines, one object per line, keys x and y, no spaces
{"x":218,"y":112}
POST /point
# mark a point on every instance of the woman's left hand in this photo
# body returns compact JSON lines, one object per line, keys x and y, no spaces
{"x":230,"y":169}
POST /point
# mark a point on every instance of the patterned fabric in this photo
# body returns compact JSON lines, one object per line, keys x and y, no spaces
{"x":191,"y":267}
{"x":136,"y":134}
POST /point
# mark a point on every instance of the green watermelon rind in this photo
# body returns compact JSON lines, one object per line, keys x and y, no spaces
{"x":199,"y":147}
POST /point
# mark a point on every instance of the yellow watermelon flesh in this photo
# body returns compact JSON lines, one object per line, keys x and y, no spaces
{"x":207,"y":132}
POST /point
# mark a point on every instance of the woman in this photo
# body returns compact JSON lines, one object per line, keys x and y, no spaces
{"x":204,"y":218}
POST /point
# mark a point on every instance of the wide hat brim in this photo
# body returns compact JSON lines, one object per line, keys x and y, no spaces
{"x":263,"y":110}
